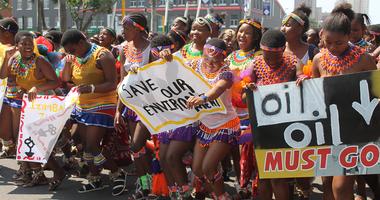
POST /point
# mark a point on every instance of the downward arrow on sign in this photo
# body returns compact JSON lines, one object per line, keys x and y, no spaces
{"x":366,"y":107}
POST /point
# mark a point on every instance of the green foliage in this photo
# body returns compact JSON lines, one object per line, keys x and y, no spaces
{"x":83,"y":11}
{"x":4,"y":4}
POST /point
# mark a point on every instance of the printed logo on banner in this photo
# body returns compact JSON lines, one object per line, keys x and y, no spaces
{"x":43,"y":118}
{"x":3,"y":87}
{"x":327,"y":127}
{"x":158,"y":94}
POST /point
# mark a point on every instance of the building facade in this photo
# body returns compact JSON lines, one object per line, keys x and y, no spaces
{"x":25,"y":11}
{"x":233,"y":10}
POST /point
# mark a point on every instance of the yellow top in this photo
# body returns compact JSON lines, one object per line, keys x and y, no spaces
{"x":2,"y":54}
{"x":26,"y":79}
{"x":87,"y":74}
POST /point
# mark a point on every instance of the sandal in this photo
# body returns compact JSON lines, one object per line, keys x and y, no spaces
{"x":92,"y":186}
{"x":8,"y":153}
{"x":56,"y":182}
{"x":38,"y":178}
{"x":119,"y":184}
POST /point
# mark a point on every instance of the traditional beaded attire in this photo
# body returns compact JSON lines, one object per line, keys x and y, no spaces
{"x":25,"y":79}
{"x":93,"y":109}
{"x":134,"y":58}
{"x":239,"y":61}
{"x":188,"y":54}
{"x":337,"y":64}
{"x":263,"y":74}
{"x":218,"y":127}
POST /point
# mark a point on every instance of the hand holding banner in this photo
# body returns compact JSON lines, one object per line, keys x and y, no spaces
{"x":3,"y":87}
{"x":41,"y":123}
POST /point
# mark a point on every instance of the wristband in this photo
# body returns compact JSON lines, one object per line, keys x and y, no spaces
{"x":92,"y":88}
{"x":204,"y":98}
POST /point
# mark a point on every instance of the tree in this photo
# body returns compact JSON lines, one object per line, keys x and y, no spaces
{"x":83,"y":11}
{"x":4,"y":4}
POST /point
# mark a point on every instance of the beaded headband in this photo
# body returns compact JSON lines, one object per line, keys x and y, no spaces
{"x":250,"y":22}
{"x":128,"y":20}
{"x":110,"y":30}
{"x":295,"y":17}
{"x":214,"y":20}
{"x":180,"y":35}
{"x":211,"y":50}
{"x":202,"y":21}
{"x":266,"y":48}
{"x":181,"y":19}
{"x":156,"y":50}
{"x":374,"y":33}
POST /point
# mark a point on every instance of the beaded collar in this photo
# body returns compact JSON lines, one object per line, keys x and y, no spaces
{"x":211,"y":77}
{"x":20,"y":69}
{"x":240,"y":58}
{"x":265,"y":75}
{"x":132,"y":54}
{"x":362,"y":43}
{"x":88,"y":55}
{"x":337,"y":64}
{"x":188,"y":53}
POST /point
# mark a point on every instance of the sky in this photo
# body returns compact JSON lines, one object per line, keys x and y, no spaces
{"x":328,"y":5}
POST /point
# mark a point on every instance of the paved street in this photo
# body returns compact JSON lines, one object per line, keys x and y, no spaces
{"x":67,"y":190}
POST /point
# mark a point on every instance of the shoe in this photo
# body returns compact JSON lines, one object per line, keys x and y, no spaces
{"x":92,"y":186}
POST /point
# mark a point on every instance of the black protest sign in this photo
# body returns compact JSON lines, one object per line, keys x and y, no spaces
{"x":327,"y":126}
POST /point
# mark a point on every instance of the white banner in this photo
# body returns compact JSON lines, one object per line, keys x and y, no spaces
{"x":3,"y":88}
{"x":41,"y":123}
{"x":158,"y":94}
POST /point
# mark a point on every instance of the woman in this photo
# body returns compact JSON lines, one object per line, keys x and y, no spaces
{"x":92,"y":69}
{"x":217,"y":132}
{"x":33,"y":75}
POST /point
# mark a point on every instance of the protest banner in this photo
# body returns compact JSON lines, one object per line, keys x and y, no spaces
{"x":41,"y":123}
{"x":326,"y":127}
{"x":158,"y":94}
{"x":3,"y":88}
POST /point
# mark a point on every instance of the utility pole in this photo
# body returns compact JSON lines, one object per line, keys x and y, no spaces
{"x":186,"y":9}
{"x":198,"y":8}
{"x":153,"y":23}
{"x":165,"y":29}
{"x":62,"y":15}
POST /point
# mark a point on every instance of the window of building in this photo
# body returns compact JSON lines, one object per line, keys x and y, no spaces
{"x":133,"y":3}
{"x":56,"y":5}
{"x":234,"y":22}
{"x":181,"y":2}
{"x":222,"y":2}
{"x":141,"y":3}
{"x":46,"y":4}
{"x":19,"y":4}
{"x":47,"y":22}
{"x":20,"y":22}
{"x":29,"y":4}
{"x":29,"y":23}
{"x":235,"y":2}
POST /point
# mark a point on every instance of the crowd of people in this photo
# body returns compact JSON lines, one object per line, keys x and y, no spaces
{"x":105,"y":134}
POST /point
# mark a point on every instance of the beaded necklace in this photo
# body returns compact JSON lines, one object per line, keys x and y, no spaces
{"x":20,"y":69}
{"x":265,"y":75}
{"x":240,"y":58}
{"x":132,"y":54}
{"x":337,"y":64}
{"x":88,"y":55}
{"x":188,"y":53}
{"x":211,"y":77}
